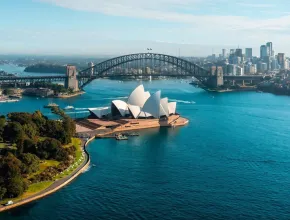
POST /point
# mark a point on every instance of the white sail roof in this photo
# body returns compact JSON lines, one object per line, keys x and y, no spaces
{"x":100,"y":112}
{"x":172,"y":107}
{"x":135,"y":110}
{"x":121,"y":106}
{"x":146,"y":97}
{"x":164,"y":111}
{"x":138,"y":97}
{"x":152,"y":105}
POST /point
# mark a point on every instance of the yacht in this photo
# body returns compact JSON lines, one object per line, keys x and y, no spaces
{"x":69,"y":107}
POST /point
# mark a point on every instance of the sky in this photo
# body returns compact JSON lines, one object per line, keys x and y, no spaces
{"x":117,"y":27}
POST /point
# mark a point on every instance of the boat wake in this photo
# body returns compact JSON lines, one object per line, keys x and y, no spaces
{"x":182,"y":101}
{"x":122,"y":97}
{"x":88,"y":169}
{"x":80,"y":112}
{"x":78,"y":109}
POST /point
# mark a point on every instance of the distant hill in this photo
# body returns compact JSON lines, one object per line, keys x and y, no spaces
{"x":45,"y":68}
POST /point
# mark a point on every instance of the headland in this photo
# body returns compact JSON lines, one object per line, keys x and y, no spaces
{"x":102,"y":127}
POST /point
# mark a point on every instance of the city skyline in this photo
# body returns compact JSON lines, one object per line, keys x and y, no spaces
{"x":193,"y":27}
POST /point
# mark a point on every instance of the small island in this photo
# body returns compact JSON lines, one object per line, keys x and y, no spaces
{"x":37,"y":156}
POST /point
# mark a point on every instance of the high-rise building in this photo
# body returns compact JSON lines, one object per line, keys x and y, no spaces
{"x":224,"y":53}
{"x":263,"y":51}
{"x":249,"y":53}
{"x":286,"y":64}
{"x":240,"y":71}
{"x":232,"y":51}
{"x":262,"y":67}
{"x":231,"y":69}
{"x":253,"y":69}
{"x":91,"y":70}
{"x":269,"y":48}
{"x":236,"y":60}
{"x":239,"y":52}
{"x":281,"y":60}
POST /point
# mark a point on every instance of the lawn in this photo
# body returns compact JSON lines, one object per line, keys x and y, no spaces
{"x":36,"y":187}
{"x":43,"y":165}
{"x":8,"y":146}
{"x":47,"y":163}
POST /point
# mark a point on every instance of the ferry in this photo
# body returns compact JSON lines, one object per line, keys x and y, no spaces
{"x":51,"y":105}
{"x":69,"y":107}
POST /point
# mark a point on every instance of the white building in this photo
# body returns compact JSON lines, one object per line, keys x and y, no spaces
{"x":140,"y":104}
{"x":240,"y":71}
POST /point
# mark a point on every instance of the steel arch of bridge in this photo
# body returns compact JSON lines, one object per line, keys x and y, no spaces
{"x":185,"y":65}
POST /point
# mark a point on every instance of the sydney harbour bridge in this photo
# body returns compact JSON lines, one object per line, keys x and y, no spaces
{"x":104,"y":69}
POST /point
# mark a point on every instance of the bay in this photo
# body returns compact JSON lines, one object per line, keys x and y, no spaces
{"x":231,"y":161}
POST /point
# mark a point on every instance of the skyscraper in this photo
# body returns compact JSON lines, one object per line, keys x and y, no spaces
{"x":281,"y":60}
{"x":263,"y":51}
{"x":224,"y":53}
{"x":239,"y":52}
{"x":249,"y":53}
{"x":269,"y":48}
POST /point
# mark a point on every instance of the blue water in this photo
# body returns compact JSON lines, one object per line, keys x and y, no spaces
{"x":232,"y":161}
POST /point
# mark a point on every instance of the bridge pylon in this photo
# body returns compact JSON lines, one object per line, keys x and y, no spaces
{"x":71,"y":80}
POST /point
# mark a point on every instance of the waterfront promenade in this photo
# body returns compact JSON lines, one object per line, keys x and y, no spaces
{"x":58,"y":184}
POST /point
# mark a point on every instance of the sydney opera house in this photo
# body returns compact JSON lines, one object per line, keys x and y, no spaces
{"x":140,"y":105}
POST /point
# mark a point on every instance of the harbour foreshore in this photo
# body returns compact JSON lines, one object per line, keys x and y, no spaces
{"x":57,"y":184}
{"x":172,"y":121}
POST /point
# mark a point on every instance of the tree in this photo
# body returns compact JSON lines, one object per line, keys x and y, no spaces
{"x":21,"y":117}
{"x":13,"y":132}
{"x":51,"y":149}
{"x":30,"y":130}
{"x":16,"y":186}
{"x":3,"y":191}
{"x":30,"y":163}
{"x":2,"y":125}
{"x":10,"y":166}
{"x":29,"y":146}
{"x":11,"y":178}
{"x":40,"y":121}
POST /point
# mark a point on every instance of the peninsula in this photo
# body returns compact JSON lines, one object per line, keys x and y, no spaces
{"x":45,"y":68}
{"x":141,"y":111}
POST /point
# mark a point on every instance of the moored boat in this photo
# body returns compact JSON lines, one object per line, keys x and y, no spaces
{"x":51,"y":105}
{"x":121,"y":137}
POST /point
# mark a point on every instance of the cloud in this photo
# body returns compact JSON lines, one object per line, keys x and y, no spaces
{"x":189,"y":24}
{"x":253,"y":5}
{"x":169,"y":10}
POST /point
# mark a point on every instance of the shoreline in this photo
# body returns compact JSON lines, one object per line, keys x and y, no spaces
{"x":57,"y":185}
{"x":70,"y":95}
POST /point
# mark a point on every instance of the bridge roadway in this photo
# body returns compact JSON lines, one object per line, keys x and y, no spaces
{"x":32,"y":79}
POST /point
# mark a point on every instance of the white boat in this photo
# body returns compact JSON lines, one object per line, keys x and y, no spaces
{"x":9,"y":100}
{"x":69,"y":107}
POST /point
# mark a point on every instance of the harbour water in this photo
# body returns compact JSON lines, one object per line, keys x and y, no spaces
{"x":232,"y":161}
